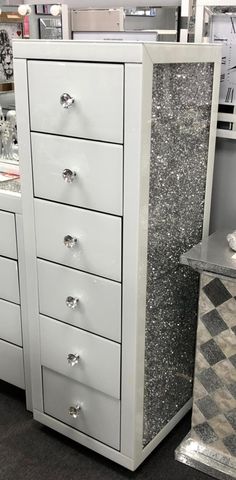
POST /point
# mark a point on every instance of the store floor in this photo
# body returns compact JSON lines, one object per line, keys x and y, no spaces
{"x":30,"y":451}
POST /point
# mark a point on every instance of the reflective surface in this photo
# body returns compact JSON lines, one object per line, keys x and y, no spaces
{"x":179,"y":152}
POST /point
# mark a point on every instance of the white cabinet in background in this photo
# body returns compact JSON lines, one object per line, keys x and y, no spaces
{"x":14,"y":331}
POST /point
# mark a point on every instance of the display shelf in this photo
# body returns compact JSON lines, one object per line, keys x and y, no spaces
{"x":10,"y":196}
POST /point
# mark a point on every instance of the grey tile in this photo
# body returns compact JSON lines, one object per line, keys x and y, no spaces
{"x":206,"y":433}
{"x":212,"y":353}
{"x":231,"y":417}
{"x":233,"y":360}
{"x":232,"y":389}
{"x":214,"y":322}
{"x":216,"y":292}
{"x":208,"y":407}
{"x":210,"y":380}
{"x":230,"y":443}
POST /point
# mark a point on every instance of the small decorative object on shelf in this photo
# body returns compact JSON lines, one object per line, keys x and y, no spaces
{"x":231,"y":238}
{"x":8,"y":137}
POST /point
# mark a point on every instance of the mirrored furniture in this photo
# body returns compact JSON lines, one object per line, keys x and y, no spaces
{"x":14,"y":341}
{"x":117,"y":161}
{"x":211,"y":444}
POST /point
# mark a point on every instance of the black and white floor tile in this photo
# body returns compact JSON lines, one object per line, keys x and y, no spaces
{"x":214,"y":408}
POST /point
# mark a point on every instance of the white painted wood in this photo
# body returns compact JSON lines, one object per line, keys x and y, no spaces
{"x":97,"y":112}
{"x":30,"y":270}
{"x":99,"y":238}
{"x":138,"y":86}
{"x":83,"y":439}
{"x":25,"y":319}
{"x":138,"y":96}
{"x":99,"y":309}
{"x":186,"y":53}
{"x":212,"y":143}
{"x":67,"y":50}
{"x":10,"y":201}
{"x":7,"y":235}
{"x":99,"y":416}
{"x":11,"y":364}
{"x":99,"y":362}
{"x":9,"y":286}
{"x":98,"y":167}
{"x":10,"y":323}
{"x":99,"y":447}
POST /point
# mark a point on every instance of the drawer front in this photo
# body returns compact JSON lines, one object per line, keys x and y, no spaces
{"x":98,"y":248}
{"x":10,"y":322}
{"x":8,"y":235}
{"x":97,"y":89}
{"x":11,"y":364}
{"x":99,"y":300}
{"x":9,"y":286}
{"x":98,"y":168}
{"x":99,"y":415}
{"x":99,"y":359}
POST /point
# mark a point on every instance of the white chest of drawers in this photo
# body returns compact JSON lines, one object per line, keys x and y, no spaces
{"x":14,"y":345}
{"x":113,"y":189}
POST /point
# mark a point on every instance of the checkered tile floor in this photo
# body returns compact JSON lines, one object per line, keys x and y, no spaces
{"x":214,"y":408}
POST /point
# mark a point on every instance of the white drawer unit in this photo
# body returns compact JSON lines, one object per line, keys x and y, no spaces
{"x":9,"y":285}
{"x":10,"y":322}
{"x":11,"y":364}
{"x":79,"y":238}
{"x":82,"y":300}
{"x":83,"y":102}
{"x":14,"y":335}
{"x":83,"y":408}
{"x":7,"y":235}
{"x":117,"y":146}
{"x":83,"y":173}
{"x":87,"y":358}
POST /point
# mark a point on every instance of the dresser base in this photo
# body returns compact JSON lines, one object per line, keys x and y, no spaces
{"x":102,"y":449}
{"x":205,"y":459}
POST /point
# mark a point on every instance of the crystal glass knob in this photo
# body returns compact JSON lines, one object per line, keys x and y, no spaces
{"x":73,"y":359}
{"x":68,"y":176}
{"x":74,"y":411}
{"x":70,"y":241}
{"x":66,"y":100}
{"x":72,"y":302}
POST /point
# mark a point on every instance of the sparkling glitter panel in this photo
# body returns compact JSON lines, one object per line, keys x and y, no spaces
{"x":179,"y":150}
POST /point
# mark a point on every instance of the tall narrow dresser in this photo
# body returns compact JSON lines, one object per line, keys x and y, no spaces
{"x":116,"y":145}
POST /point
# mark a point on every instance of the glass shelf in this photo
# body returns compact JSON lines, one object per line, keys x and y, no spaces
{"x":13,"y":186}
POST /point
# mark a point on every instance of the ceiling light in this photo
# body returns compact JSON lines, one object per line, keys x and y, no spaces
{"x":55,"y":10}
{"x":24,"y":10}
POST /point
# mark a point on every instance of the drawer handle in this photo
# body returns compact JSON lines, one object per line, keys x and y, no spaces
{"x":73,"y":359}
{"x":70,"y":241}
{"x":68,"y":176}
{"x":72,"y":302}
{"x":74,"y":411}
{"x":66,"y":100}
